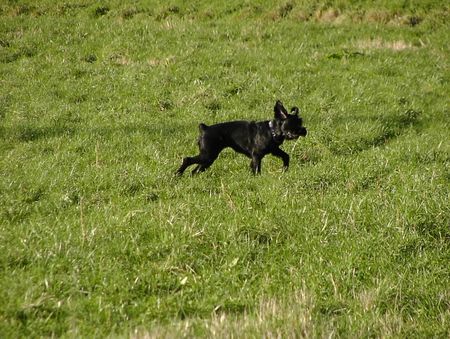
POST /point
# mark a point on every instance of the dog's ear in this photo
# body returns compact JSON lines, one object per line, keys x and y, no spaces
{"x":280,"y":111}
{"x":295,"y":110}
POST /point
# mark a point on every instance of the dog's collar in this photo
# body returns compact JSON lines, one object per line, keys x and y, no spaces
{"x":272,"y":129}
{"x":277,"y":138}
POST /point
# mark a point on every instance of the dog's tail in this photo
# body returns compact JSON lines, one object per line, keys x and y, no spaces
{"x":202,"y":128}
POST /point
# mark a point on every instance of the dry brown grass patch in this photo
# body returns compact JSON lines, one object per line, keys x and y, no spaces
{"x":272,"y":319}
{"x":378,"y":43}
{"x":327,"y":15}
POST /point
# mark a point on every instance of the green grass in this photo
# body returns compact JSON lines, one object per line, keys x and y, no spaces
{"x":99,"y":102}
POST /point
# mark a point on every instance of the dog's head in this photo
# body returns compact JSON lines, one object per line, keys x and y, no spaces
{"x":291,"y":125}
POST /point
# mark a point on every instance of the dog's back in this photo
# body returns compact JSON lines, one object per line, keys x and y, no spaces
{"x":239,"y":135}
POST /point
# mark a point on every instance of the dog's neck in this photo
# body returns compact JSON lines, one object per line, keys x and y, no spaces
{"x":277,"y":137}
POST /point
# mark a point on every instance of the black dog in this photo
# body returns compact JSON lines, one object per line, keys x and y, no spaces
{"x":254,"y":139}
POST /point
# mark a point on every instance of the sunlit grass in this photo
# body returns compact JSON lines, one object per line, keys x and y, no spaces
{"x":98,"y":105}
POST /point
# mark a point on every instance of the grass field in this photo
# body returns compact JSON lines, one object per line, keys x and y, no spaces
{"x":99,"y":102}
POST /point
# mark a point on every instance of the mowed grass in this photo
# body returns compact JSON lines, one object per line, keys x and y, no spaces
{"x":100,"y":102}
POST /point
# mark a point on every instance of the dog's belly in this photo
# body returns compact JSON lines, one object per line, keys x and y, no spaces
{"x":241,"y":150}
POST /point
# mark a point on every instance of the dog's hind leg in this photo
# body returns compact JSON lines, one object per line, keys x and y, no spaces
{"x":195,"y":170}
{"x":209,"y":146}
{"x":188,"y":161}
{"x":203,"y":161}
{"x":202,"y":167}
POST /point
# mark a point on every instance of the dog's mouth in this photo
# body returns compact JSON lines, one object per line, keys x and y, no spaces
{"x":292,"y":136}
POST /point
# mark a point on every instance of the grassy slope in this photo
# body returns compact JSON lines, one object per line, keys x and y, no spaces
{"x":99,"y":104}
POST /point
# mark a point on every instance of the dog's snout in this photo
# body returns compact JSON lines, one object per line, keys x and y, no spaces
{"x":303,"y":132}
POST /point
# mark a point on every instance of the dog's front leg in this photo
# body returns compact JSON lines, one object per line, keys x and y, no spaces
{"x":283,"y":155}
{"x":256,"y":164}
